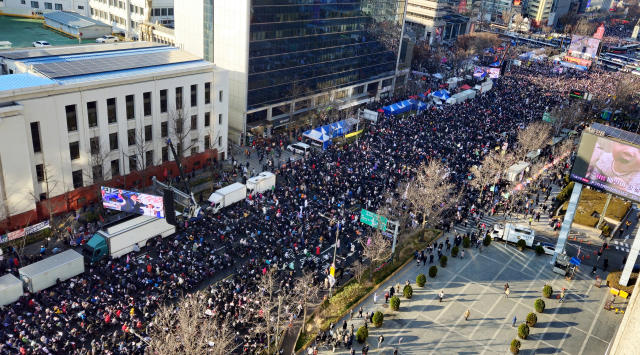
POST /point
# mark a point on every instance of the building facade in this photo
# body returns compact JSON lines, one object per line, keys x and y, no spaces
{"x":286,"y":57}
{"x":37,"y":8}
{"x":437,"y":20}
{"x":126,"y":16}
{"x":101,"y":126}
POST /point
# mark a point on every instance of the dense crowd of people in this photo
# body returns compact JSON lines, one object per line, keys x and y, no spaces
{"x":96,"y":311}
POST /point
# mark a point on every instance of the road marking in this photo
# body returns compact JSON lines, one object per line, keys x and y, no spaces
{"x":617,"y":248}
{"x":593,"y":324}
{"x":562,"y":341}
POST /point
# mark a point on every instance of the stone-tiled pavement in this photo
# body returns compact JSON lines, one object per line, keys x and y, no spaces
{"x":423,"y":325}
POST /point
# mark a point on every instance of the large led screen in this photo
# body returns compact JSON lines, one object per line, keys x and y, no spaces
{"x":132,"y":201}
{"x":609,"y":165}
{"x":584,"y":45}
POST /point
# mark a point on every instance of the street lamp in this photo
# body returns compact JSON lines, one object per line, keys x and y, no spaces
{"x":335,"y":248}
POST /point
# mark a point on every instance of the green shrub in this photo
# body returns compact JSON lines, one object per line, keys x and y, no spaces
{"x":521,"y":244}
{"x":539,"y":305}
{"x":547,"y":291}
{"x":91,"y":217}
{"x":565,"y":194}
{"x":443,"y":261}
{"x":466,"y":242}
{"x":362,"y":334}
{"x":487,"y":240}
{"x":523,"y":331}
{"x":454,"y":251}
{"x":407,"y":291}
{"x":532,"y":319}
{"x":421,"y":280}
{"x":606,"y":230}
{"x":377,"y":319}
{"x":539,"y":250}
{"x":515,"y":346}
{"x":394,"y":303}
{"x":433,"y":271}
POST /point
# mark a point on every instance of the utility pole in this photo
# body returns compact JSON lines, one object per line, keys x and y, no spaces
{"x":335,"y":249}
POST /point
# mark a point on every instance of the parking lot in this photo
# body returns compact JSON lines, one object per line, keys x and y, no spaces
{"x":22,"y":32}
{"x":423,"y":325}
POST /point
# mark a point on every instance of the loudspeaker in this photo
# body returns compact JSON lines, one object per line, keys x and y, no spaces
{"x":169,"y":209}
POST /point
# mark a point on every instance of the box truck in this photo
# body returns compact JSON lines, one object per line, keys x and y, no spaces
{"x":513,"y":233}
{"x":263,"y":182}
{"x":10,"y":289}
{"x":227,"y":196}
{"x":120,"y":238}
{"x":45,"y":273}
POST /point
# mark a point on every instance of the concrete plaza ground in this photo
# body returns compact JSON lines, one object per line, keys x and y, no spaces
{"x":423,"y":325}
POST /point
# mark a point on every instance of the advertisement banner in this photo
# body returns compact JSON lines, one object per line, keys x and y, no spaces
{"x":583,"y":62}
{"x":24,"y":232}
{"x":584,"y":45}
{"x":609,"y":165}
{"x":133,"y":202}
{"x":494,"y":73}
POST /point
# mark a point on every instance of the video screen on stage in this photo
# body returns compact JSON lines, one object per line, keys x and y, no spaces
{"x":608,"y":164}
{"x":584,"y":45}
{"x":132,"y":201}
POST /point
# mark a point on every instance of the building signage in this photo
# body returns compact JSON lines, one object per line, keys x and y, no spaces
{"x":583,"y":62}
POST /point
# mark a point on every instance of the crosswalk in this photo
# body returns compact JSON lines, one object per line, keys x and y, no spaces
{"x":622,"y":246}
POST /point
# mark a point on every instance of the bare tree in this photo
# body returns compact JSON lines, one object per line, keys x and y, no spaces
{"x":52,"y":206}
{"x":535,"y":136}
{"x":9,"y":221}
{"x":568,"y":116}
{"x":430,"y":193}
{"x":483,"y":175}
{"x":308,"y":292}
{"x":376,"y":248}
{"x":507,"y":15}
{"x":518,"y":21}
{"x":214,"y":149}
{"x":295,"y":95}
{"x":183,"y":129}
{"x":97,"y":169}
{"x":358,"y":269}
{"x":188,"y":327}
{"x":144,"y":155}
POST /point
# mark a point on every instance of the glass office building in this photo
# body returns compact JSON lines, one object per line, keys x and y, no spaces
{"x":318,"y":45}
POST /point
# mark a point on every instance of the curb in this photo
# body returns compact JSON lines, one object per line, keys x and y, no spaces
{"x":375,"y":288}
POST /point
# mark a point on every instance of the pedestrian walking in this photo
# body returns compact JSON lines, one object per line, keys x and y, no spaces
{"x":351,"y":314}
{"x":360,"y":313}
{"x":605,"y":265}
{"x":562,"y":296}
{"x":513,"y":323}
{"x":441,"y":295}
{"x":375,"y":298}
{"x":599,"y":254}
{"x":386,"y":297}
{"x":392,"y":291}
{"x":380,"y":340}
{"x":506,"y":293}
{"x":462,"y":254}
{"x":467,"y":314}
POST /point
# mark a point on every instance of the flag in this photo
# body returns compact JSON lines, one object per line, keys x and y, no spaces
{"x":102,"y":219}
{"x":579,"y":251}
{"x":165,"y":173}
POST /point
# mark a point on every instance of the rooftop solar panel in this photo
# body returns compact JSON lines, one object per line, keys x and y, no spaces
{"x":92,"y":66}
{"x":617,"y":133}
{"x":70,"y":50}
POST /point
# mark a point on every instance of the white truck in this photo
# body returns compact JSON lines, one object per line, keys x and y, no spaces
{"x":263,"y":182}
{"x":227,"y":196}
{"x":513,"y":233}
{"x":10,"y":289}
{"x":45,"y":273}
{"x":121,"y":237}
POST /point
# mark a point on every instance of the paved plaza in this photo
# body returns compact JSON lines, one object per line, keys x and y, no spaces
{"x":423,"y":325}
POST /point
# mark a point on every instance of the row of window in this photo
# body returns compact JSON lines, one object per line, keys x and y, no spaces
{"x":167,"y":11}
{"x":47,"y":5}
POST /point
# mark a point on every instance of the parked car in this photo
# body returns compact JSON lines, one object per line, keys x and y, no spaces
{"x":41,"y":44}
{"x":298,"y":148}
{"x":549,"y":248}
{"x":107,"y":39}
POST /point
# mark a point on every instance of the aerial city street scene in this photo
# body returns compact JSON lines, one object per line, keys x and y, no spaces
{"x":303,"y":177}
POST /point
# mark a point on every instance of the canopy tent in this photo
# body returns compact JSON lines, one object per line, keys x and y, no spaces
{"x":422,"y":96}
{"x":420,"y":106}
{"x":465,"y":87}
{"x":319,"y":135}
{"x":494,"y":64}
{"x":326,"y":133}
{"x":404,"y":106}
{"x":442,"y":94}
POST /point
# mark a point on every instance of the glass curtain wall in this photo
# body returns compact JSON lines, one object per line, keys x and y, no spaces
{"x":311,"y":46}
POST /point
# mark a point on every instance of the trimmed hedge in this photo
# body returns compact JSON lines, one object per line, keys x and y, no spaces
{"x":362,"y":334}
{"x":443,"y":261}
{"x":521,"y":244}
{"x":523,"y":331}
{"x":377,"y":319}
{"x":433,"y":271}
{"x":394,"y":303}
{"x":532,"y":319}
{"x":539,"y":305}
{"x":407,"y":291}
{"x":487,"y":240}
{"x":466,"y":242}
{"x":565,"y":194}
{"x":454,"y":251}
{"x":515,"y":346}
{"x":547,"y":291}
{"x":539,"y":250}
{"x":421,"y":280}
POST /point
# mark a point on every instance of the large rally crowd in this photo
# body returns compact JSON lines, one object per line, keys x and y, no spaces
{"x":96,"y":311}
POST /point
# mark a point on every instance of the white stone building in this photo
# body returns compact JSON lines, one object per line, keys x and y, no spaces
{"x":127,"y":15}
{"x":61,"y":108}
{"x":37,"y":8}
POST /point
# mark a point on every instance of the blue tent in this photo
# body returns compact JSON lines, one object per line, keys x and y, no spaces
{"x":398,"y":108}
{"x":442,"y":94}
{"x":326,"y":133}
{"x":494,"y":64}
{"x":422,"y":96}
{"x":419,"y":105}
{"x":319,"y":135}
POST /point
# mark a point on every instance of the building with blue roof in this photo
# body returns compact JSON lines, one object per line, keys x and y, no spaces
{"x":100,"y":114}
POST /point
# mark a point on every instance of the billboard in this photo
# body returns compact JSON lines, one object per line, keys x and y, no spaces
{"x":583,"y":62}
{"x":608,"y":164}
{"x":584,"y":45}
{"x":132,"y":201}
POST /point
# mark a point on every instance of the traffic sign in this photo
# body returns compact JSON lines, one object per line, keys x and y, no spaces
{"x":332,"y":271}
{"x":548,"y":118}
{"x":372,"y":219}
